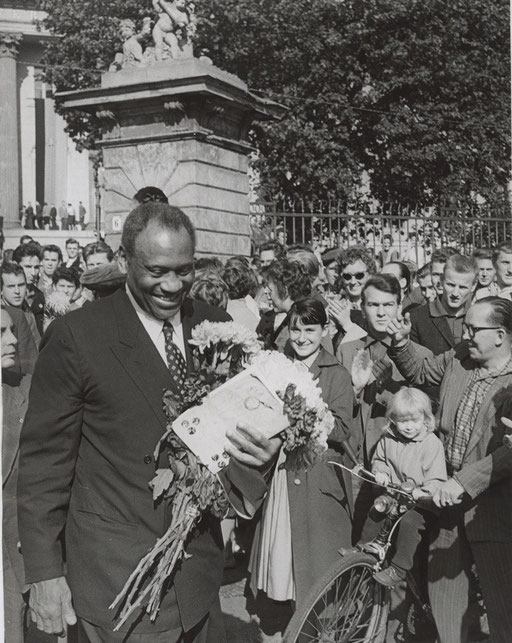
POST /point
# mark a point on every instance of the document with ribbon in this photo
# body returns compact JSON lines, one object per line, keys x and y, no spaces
{"x":244,"y":399}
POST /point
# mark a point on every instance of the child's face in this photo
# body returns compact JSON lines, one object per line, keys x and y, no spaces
{"x":306,"y":339}
{"x":410,"y":426}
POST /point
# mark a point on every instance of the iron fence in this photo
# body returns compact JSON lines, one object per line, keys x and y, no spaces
{"x":415,"y":231}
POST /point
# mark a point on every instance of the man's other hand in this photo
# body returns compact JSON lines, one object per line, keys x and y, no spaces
{"x":249,"y":446}
{"x":399,"y":329}
{"x":50,"y":606}
{"x":448,"y":493}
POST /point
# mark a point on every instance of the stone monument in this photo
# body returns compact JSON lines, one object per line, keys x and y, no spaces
{"x":179,"y":123}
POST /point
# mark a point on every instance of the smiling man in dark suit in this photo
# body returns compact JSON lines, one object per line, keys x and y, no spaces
{"x":95,"y":415}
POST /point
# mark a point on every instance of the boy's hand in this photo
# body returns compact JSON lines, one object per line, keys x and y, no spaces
{"x":382,"y":478}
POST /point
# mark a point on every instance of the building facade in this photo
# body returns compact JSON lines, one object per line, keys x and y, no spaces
{"x":38,"y":161}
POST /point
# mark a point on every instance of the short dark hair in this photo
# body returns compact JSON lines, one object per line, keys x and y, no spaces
{"x":424,"y":271}
{"x":384,"y":283}
{"x":275,"y":246}
{"x":52,"y":248}
{"x":162,"y":214}
{"x":505,"y":247}
{"x":150,"y":194}
{"x":358,"y":253}
{"x":307,"y":258}
{"x":501,"y":312}
{"x":71,"y":241}
{"x":66,"y":274}
{"x":26,"y":238}
{"x":309,"y":310}
{"x":208,"y":263}
{"x":97,"y":247}
{"x":461,"y":264}
{"x":27,"y":250}
{"x":440,"y":255}
{"x":211,"y":291}
{"x":11,"y":268}
{"x":239,"y":281}
{"x":290,"y":279}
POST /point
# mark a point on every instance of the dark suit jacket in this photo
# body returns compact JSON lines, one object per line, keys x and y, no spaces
{"x":15,"y":390}
{"x":94,"y":418}
{"x":430,"y":331}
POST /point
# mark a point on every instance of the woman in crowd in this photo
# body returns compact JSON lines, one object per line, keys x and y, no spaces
{"x":306,"y":517}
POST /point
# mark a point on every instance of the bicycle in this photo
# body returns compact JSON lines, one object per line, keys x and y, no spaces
{"x":347,"y":605}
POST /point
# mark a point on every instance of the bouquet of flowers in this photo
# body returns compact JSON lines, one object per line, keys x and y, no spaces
{"x":57,"y":304}
{"x":220,"y":351}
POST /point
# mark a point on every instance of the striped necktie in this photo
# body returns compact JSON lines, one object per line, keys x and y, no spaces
{"x":175,"y":360}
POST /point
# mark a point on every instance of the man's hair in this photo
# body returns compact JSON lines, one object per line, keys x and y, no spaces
{"x":11,"y":268}
{"x":150,"y":194}
{"x":238,"y":281}
{"x":461,"y":265}
{"x":404,"y":270}
{"x":505,"y":247}
{"x":71,"y":241}
{"x":440,"y":255}
{"x":483,"y":253}
{"x":500,"y":313}
{"x":290,"y":279}
{"x":97,"y":247}
{"x":276,"y":247}
{"x":27,"y":250}
{"x":307,"y":258}
{"x":242,"y":263}
{"x":238,"y":261}
{"x":164,"y":215}
{"x":358,"y":253}
{"x":211,"y":291}
{"x":26,"y":238}
{"x":66,"y":274}
{"x":52,"y":248}
{"x":424,"y":271}
{"x":208,"y":263}
{"x":307,"y":311}
{"x":387,"y":236}
{"x":384,"y":283}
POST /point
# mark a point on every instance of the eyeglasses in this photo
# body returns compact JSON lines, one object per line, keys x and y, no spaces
{"x":347,"y":276}
{"x":473,"y":330}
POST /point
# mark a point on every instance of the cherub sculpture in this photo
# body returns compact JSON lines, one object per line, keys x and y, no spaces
{"x":174,"y":28}
{"x":133,"y":54}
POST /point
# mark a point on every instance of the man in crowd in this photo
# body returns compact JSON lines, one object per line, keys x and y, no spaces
{"x":52,"y":257}
{"x":63,"y":216}
{"x":502,"y":259}
{"x":269,"y":252}
{"x":476,"y":523}
{"x":438,"y":324}
{"x":486,"y":285}
{"x":67,"y":281}
{"x":15,"y":388}
{"x":97,"y":254}
{"x":74,"y":260}
{"x":14,"y":289}
{"x":86,"y":453}
{"x":28,"y":256}
{"x":81,"y":215}
{"x":71,"y":216}
{"x":438,"y":261}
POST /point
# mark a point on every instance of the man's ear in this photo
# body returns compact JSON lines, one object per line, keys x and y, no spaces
{"x":501,"y":337}
{"x":122,"y":261}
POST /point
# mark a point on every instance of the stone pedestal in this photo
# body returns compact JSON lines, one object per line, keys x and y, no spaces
{"x":180,"y":126}
{"x":9,"y":154}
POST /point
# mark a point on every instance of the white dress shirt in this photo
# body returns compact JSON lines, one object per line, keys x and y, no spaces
{"x":155,"y":328}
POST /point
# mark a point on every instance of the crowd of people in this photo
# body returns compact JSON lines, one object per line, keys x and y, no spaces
{"x":414,"y":361}
{"x":47,"y":216}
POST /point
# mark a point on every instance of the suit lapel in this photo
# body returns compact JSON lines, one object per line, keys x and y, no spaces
{"x":139,"y":356}
{"x":442,"y":326}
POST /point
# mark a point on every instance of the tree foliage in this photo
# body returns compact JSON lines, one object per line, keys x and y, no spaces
{"x":415,"y":93}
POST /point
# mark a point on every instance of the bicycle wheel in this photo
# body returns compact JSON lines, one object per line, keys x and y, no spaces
{"x":346,"y":605}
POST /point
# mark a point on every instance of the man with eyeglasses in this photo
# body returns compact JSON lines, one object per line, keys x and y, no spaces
{"x":475,"y":381}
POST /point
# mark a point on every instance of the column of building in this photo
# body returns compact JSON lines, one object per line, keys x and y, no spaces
{"x":9,"y":132}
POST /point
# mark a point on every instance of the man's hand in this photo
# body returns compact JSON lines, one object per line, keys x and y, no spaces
{"x":399,"y":329}
{"x":50,"y":606}
{"x":361,"y":370}
{"x":448,"y":493}
{"x":249,"y":446}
